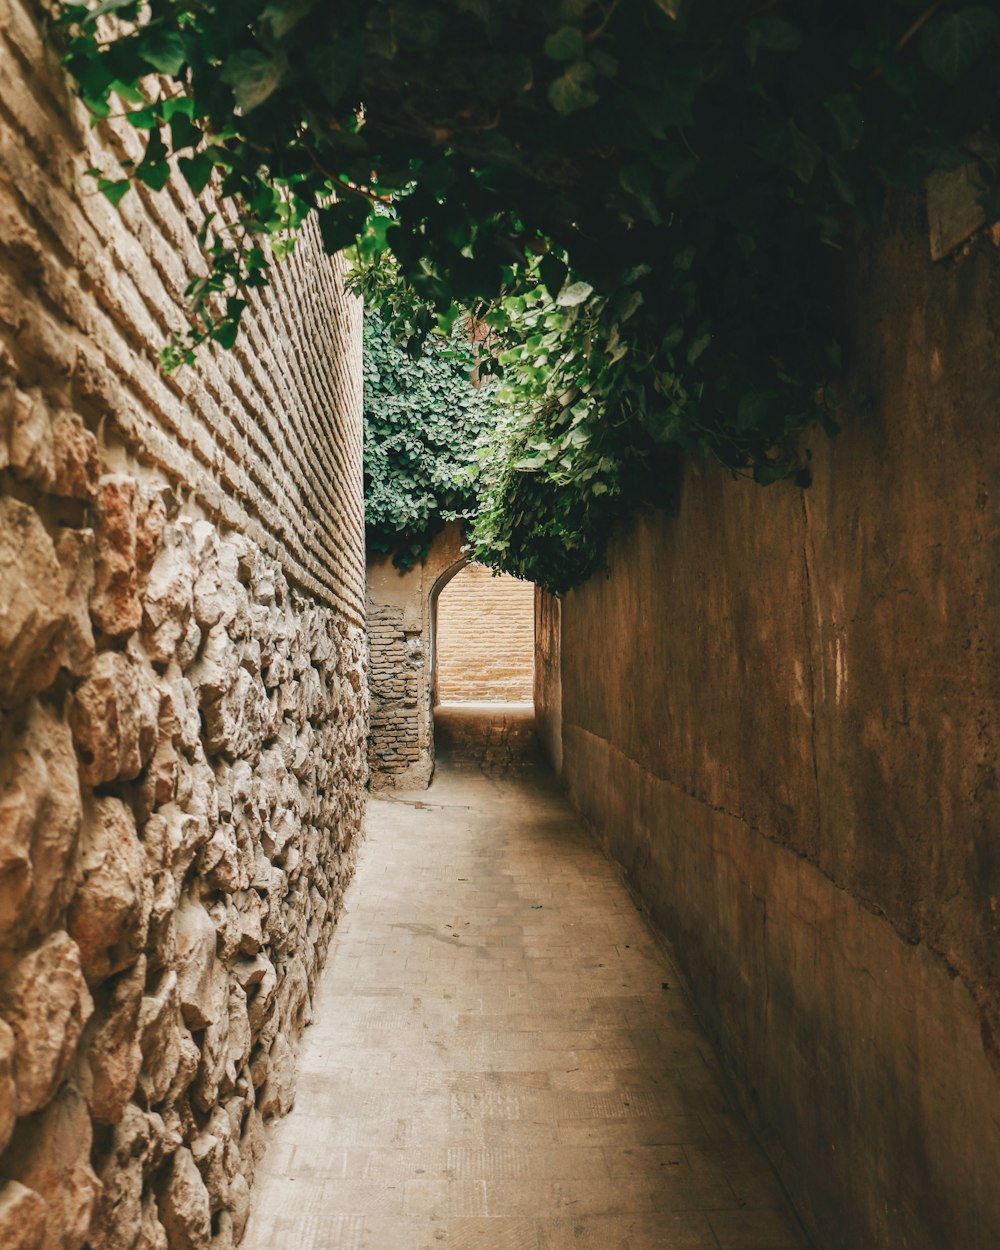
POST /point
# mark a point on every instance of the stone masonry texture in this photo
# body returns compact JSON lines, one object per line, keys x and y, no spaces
{"x":182,"y":689}
{"x":802,"y":779}
{"x":485,"y":638}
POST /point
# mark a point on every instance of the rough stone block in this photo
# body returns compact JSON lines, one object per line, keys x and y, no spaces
{"x":109,"y":914}
{"x":159,"y":1030}
{"x":113,"y":1045}
{"x":33,"y":607}
{"x":75,"y":552}
{"x":114,"y":716}
{"x":201,"y":985}
{"x":75,"y":455}
{"x":185,"y":1209}
{"x":115,"y":605}
{"x":50,"y":1154}
{"x":40,"y":814}
{"x":22,"y":1217}
{"x":278,"y":1093}
{"x":136,"y":1149}
{"x":8,"y":1090}
{"x":45,"y":1000}
{"x":167,"y":604}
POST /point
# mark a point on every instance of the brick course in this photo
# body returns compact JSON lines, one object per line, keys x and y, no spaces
{"x":485,"y":638}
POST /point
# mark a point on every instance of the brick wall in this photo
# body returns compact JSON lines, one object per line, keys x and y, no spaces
{"x":485,"y":638}
{"x":182,"y":687}
{"x":400,"y":731}
{"x":400,"y":611}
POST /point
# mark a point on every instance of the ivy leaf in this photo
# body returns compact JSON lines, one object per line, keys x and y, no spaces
{"x":506,"y":74}
{"x":112,"y":6}
{"x":113,"y":189}
{"x":773,"y":34}
{"x":282,"y":16}
{"x":573,"y":294}
{"x":196,"y":171}
{"x":93,"y":74}
{"x":565,"y":44}
{"x":841,"y":181}
{"x":951,"y":43}
{"x":153,"y":170}
{"x":786,"y":145}
{"x":573,"y":89}
{"x":155,"y":174}
{"x":637,"y":180}
{"x":341,"y":223}
{"x":253,"y":77}
{"x":142,"y":119}
{"x":604,"y":63}
{"x":183,"y":132}
{"x":553,"y":274}
{"x":848,"y":119}
{"x":697,"y":347}
{"x":180,"y":104}
{"x":766,"y":472}
{"x":127,"y":92}
{"x":751,"y":410}
{"x":225,"y":333}
{"x":162,"y":48}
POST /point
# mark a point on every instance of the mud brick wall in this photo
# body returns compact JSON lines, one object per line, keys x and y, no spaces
{"x":485,"y":638}
{"x":182,"y":692}
{"x":779,"y":708}
{"x":398,"y":691}
{"x":401,"y":610}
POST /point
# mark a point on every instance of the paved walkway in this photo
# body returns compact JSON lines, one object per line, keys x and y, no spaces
{"x":501,"y":1059}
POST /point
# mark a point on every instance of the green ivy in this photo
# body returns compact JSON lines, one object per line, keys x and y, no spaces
{"x":426,"y":425}
{"x":654,"y":195}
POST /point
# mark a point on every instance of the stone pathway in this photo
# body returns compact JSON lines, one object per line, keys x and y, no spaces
{"x":501,"y":1058}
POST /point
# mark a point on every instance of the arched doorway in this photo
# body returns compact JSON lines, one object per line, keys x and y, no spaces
{"x":403,"y":630}
{"x":483,"y":637}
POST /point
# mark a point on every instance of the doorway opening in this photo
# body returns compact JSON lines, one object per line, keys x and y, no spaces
{"x":483,"y":638}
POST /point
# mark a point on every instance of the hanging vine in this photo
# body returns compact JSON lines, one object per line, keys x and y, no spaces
{"x":646,"y":201}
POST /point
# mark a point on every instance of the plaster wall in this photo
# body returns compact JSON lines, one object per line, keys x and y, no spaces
{"x":548,"y":676}
{"x":779,"y":710}
{"x":182,"y":691}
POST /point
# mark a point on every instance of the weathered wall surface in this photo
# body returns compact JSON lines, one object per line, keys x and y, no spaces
{"x":485,"y":638}
{"x":181,"y":682}
{"x":548,"y":676}
{"x":401,"y":621}
{"x":780,"y":711}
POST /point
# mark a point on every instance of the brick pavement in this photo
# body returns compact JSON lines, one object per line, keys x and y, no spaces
{"x":501,"y":1057}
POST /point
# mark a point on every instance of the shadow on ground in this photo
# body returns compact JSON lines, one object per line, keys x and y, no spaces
{"x":502,"y":1058}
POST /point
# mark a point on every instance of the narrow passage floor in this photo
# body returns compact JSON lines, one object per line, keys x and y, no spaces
{"x":501,"y":1057}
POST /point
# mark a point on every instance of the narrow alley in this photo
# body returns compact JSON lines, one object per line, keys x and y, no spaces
{"x":501,"y":1057}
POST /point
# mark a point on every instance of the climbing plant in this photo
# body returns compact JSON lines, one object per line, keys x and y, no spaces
{"x":666,"y":185}
{"x":426,"y":425}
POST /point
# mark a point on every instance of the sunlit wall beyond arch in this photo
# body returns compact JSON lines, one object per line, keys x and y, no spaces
{"x":485,"y":638}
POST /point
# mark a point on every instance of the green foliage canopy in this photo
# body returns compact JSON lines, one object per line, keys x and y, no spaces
{"x":665,"y":183}
{"x":426,"y":426}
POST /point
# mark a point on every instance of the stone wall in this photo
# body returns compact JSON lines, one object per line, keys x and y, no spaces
{"x":401,"y":607}
{"x":779,"y":709}
{"x":485,"y":638}
{"x":182,"y":688}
